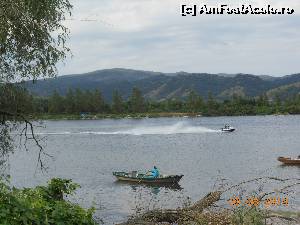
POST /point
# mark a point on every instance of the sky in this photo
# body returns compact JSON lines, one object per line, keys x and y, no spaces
{"x":153,"y":35}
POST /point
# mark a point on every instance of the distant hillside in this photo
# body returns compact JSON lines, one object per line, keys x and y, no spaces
{"x":284,"y":91}
{"x":158,"y":86}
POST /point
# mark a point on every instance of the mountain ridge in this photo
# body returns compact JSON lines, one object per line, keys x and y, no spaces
{"x":160,"y":86}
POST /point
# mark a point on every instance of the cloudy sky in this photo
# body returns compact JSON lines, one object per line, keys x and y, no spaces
{"x":152,"y":35}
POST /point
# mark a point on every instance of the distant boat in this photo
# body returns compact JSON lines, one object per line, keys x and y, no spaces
{"x":143,"y":178}
{"x":227,"y":128}
{"x":289,"y":161}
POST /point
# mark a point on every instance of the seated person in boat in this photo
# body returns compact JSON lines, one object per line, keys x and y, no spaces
{"x":154,"y":172}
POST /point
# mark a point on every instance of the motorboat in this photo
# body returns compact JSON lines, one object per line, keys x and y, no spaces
{"x":228,"y":128}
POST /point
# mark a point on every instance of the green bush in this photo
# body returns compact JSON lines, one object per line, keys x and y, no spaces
{"x":42,"y":205}
{"x":248,"y":216}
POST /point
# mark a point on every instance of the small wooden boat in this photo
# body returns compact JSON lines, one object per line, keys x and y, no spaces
{"x":143,"y":178}
{"x":289,"y":161}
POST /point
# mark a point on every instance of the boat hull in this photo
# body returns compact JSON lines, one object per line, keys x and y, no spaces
{"x":289,"y":161}
{"x":228,"y":130}
{"x":172,"y":179}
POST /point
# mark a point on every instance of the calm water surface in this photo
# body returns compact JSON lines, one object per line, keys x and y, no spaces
{"x":88,"y":152}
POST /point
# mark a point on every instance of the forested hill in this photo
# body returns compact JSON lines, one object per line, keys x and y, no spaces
{"x":159,"y":86}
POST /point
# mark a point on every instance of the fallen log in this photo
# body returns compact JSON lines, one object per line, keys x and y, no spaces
{"x":206,"y":202}
{"x":154,"y":217}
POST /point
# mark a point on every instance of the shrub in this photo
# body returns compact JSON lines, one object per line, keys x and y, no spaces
{"x":42,"y":205}
{"x":248,"y":216}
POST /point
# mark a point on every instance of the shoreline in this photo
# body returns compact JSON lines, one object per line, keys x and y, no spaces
{"x":138,"y":116}
{"x":207,"y":211}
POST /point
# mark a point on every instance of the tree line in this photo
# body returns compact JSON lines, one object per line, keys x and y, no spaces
{"x":78,"y":101}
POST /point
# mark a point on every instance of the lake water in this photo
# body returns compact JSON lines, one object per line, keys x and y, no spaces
{"x":89,"y":151}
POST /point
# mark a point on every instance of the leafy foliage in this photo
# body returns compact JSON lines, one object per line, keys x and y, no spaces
{"x":42,"y":205}
{"x":136,"y":101}
{"x":248,"y":216}
{"x":32,"y":38}
{"x":117,"y":103}
{"x":12,"y":99}
{"x":92,"y":102}
{"x":32,"y":41}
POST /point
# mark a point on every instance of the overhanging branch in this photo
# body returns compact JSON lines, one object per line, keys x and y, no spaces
{"x":28,"y":129}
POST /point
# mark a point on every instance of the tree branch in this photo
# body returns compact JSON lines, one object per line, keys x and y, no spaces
{"x":19,"y":117}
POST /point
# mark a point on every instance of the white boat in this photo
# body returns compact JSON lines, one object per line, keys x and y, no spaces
{"x":227,"y":128}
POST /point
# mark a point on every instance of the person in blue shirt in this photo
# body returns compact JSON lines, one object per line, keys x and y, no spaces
{"x":154,"y":172}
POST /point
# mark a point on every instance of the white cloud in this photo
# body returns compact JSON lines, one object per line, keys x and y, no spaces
{"x":152,"y":35}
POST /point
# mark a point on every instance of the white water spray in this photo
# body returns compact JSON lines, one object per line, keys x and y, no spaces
{"x":177,"y":128}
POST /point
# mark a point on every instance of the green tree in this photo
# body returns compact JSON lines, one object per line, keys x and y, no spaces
{"x":136,"y":101}
{"x":263,"y":100}
{"x":98,"y":102}
{"x":262,"y":105}
{"x":117,"y":103}
{"x":56,"y":103}
{"x":212,"y":105}
{"x":88,"y":104}
{"x":173,"y":105}
{"x":70,"y":101}
{"x":32,"y":38}
{"x":80,"y":101}
{"x":194,"y":102}
{"x":277,"y":104}
{"x":40,"y":105}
